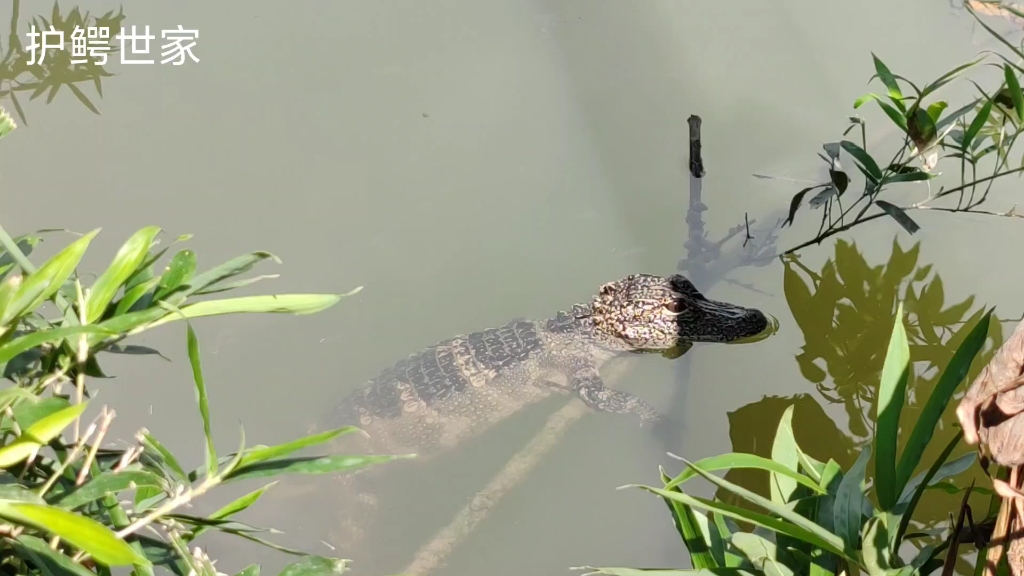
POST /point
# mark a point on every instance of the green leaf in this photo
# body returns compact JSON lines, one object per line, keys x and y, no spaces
{"x":866,"y":163}
{"x":823,"y":538}
{"x":876,"y":554}
{"x":179,"y":271}
{"x":133,"y":295}
{"x":890,"y":82}
{"x":315,"y":566}
{"x":1015,"y":93}
{"x":39,"y":434}
{"x":204,"y":407}
{"x":153,"y":447}
{"x":268,"y":304}
{"x":898,"y":215}
{"x":815,"y":536}
{"x":977,"y":124}
{"x":740,"y":460}
{"x":690,"y":530}
{"x":261,"y":453}
{"x":7,"y":124}
{"x":125,"y":262}
{"x":939,"y":470}
{"x":79,"y":531}
{"x":46,"y":281}
{"x":895,"y":115}
{"x":110,"y":482}
{"x":764,"y":555}
{"x":250,"y":570}
{"x":848,"y":508}
{"x":915,"y":176}
{"x":952,"y":376}
{"x":892,"y":392}
{"x":309,"y":465}
{"x":8,"y":289}
{"x":50,"y":562}
{"x":35,"y":339}
{"x":786,"y":453}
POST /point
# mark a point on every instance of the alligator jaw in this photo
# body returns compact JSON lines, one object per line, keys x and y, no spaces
{"x":720,"y":322}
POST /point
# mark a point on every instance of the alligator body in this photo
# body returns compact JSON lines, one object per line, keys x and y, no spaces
{"x":431,"y":401}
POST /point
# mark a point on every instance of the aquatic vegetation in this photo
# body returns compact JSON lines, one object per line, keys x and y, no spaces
{"x":70,"y":506}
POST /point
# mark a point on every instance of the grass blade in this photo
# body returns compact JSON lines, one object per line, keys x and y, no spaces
{"x":951,"y":378}
{"x":262,"y":453}
{"x":204,"y":406}
{"x":847,"y":511}
{"x":308,"y":465}
{"x":269,"y":304}
{"x":741,"y":460}
{"x":692,"y":533}
{"x":891,"y":394}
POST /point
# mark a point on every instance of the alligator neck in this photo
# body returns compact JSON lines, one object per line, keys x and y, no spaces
{"x":576,"y":320}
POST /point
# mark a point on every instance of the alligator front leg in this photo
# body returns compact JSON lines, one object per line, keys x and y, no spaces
{"x":587,"y":384}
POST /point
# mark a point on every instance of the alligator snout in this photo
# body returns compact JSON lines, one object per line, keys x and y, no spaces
{"x":720,"y":322}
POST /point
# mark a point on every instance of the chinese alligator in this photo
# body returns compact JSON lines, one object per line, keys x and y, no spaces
{"x":456,"y":389}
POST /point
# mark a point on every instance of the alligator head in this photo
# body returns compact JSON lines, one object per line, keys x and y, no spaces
{"x":646,"y":312}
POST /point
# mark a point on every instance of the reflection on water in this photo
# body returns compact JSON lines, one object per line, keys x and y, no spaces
{"x":24,"y":71}
{"x":411,"y":162}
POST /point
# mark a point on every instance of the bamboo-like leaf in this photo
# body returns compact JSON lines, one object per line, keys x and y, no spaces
{"x":667,"y":572}
{"x":269,"y":304}
{"x":47,"y":280}
{"x":865,"y":162}
{"x":309,"y":465}
{"x":263,"y":453}
{"x":110,"y":482}
{"x":889,"y":80}
{"x":785,"y":452}
{"x":154,"y":447}
{"x":35,"y":339}
{"x":79,"y":531}
{"x":39,"y":434}
{"x":179,"y":271}
{"x":1015,"y":94}
{"x":250,"y":570}
{"x":50,"y":562}
{"x":952,"y":376}
{"x":898,"y":215}
{"x":977,"y":124}
{"x":125,"y":262}
{"x":315,"y":566}
{"x":204,"y":407}
{"x":892,"y":392}
{"x":938,"y":471}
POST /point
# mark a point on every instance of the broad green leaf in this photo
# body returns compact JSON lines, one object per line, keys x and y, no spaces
{"x":79,"y":531}
{"x":28,"y":413}
{"x":50,"y":562}
{"x":11,"y":395}
{"x":946,"y":387}
{"x":110,"y":482}
{"x":204,"y":406}
{"x":866,"y":163}
{"x":179,"y":271}
{"x":831,"y":541}
{"x":697,"y":543}
{"x":315,"y":566}
{"x":786,"y":453}
{"x":268,"y":304}
{"x":45,"y":282}
{"x":125,"y":262}
{"x":877,"y":558}
{"x":261,"y":453}
{"x":816,"y":537}
{"x":39,"y":434}
{"x":35,"y":339}
{"x":849,"y":505}
{"x":19,"y":493}
{"x":892,"y":392}
{"x":762,"y":554}
{"x":741,"y":460}
{"x":1014,"y":86}
{"x":309,"y":465}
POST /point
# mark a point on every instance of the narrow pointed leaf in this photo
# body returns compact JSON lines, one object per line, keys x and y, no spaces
{"x":740,"y":460}
{"x":847,"y":510}
{"x":262,"y":453}
{"x":892,"y":392}
{"x":309,"y":465}
{"x":35,"y":339}
{"x":125,"y":262}
{"x":270,"y":304}
{"x":48,"y":279}
{"x":1015,"y":94}
{"x":79,"y":531}
{"x":898,"y":215}
{"x":204,"y":407}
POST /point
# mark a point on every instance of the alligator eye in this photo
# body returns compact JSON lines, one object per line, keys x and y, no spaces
{"x":674,"y":306}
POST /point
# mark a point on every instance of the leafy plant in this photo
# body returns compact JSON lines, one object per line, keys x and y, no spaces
{"x":73,"y":507}
{"x":822,"y":519}
{"x":984,"y":128}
